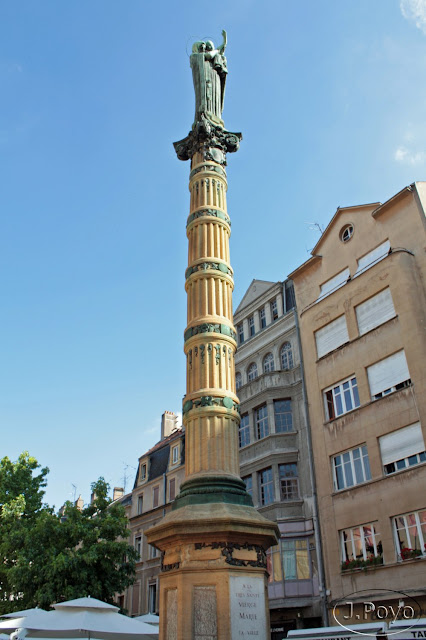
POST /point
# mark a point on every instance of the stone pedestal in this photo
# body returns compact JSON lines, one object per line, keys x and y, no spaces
{"x":213,"y":582}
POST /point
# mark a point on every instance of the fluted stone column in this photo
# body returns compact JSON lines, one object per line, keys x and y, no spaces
{"x":213,"y":543}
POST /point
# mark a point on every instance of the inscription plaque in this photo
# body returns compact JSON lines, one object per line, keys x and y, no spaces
{"x":248,"y":607}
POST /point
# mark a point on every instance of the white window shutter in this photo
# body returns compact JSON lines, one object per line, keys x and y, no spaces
{"x":402,"y":443}
{"x":372,"y":257}
{"x":331,"y":336}
{"x":375,"y":311}
{"x":388,"y":373}
{"x":334,"y":283}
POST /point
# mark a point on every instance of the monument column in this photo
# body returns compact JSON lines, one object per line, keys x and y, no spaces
{"x":213,"y":543}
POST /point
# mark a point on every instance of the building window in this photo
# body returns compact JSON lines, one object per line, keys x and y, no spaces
{"x":388,"y":375}
{"x":410,"y":534}
{"x":359,"y":543}
{"x":289,"y":481}
{"x":341,"y":398}
{"x":351,"y":468}
{"x":240,"y":330}
{"x":238,"y":380}
{"x":172,"y":489}
{"x":152,"y":551}
{"x":334,"y":283}
{"x":138,"y":546}
{"x":175,"y":454}
{"x":268,"y":363}
{"x":251,"y":326}
{"x":286,"y":357}
{"x":375,"y":311}
{"x":295,"y":559}
{"x":402,"y":448}
{"x":262,"y":318}
{"x":372,"y":257}
{"x":142,"y":472}
{"x":274,"y":309}
{"x":155,"y":496}
{"x":290,"y":298}
{"x":262,"y":426}
{"x":331,"y":336}
{"x":140,"y":504}
{"x":252,"y":372}
{"x":152,"y":598}
{"x":346,"y":232}
{"x":283,"y":416}
{"x":244,"y":430}
{"x":266,"y":486}
{"x":248,"y":480}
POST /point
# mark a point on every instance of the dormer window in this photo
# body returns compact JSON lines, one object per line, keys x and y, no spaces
{"x":142,"y":472}
{"x":175,"y":454}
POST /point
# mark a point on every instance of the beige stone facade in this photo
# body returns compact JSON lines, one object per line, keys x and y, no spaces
{"x":361,"y":302}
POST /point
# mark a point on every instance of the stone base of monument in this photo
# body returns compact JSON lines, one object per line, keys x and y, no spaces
{"x":213,"y":584}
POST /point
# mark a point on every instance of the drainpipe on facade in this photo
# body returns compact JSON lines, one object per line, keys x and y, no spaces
{"x":165,"y":492}
{"x":317,"y":534}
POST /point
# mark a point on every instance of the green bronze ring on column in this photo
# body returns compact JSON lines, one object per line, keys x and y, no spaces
{"x":210,"y":212}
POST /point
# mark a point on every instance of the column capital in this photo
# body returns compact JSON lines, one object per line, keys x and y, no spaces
{"x":210,"y":140}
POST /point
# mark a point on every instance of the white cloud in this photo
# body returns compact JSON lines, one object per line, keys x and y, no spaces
{"x":405,"y":156}
{"x":415,"y":11}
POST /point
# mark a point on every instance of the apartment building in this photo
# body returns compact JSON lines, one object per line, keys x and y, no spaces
{"x":362,"y":309}
{"x":161,"y":470}
{"x":274,"y":450}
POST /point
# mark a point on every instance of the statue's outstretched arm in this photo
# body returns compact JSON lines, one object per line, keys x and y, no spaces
{"x":222,"y":47}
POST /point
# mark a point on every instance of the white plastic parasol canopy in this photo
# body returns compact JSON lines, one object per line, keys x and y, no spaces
{"x":23,"y":613}
{"x":150,"y":618}
{"x":81,"y":618}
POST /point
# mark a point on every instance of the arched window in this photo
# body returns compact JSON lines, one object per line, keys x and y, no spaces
{"x":252,"y":372}
{"x":268,"y":363}
{"x":238,"y":380}
{"x":286,"y":356}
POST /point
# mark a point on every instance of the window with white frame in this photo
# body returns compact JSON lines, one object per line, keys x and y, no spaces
{"x":252,"y":372}
{"x":290,"y":560}
{"x":402,"y":448}
{"x":251,"y":326}
{"x":351,"y":467}
{"x":140,"y":504}
{"x":283,"y":416}
{"x":375,"y":311}
{"x":244,"y":430}
{"x":268,"y":363}
{"x":152,"y":551}
{"x":341,"y":398}
{"x":138,"y":546}
{"x":240,"y":331}
{"x":331,"y":336}
{"x":334,"y":283}
{"x":274,"y":309}
{"x":289,"y":481}
{"x":248,"y":481}
{"x":155,"y":496}
{"x":289,"y":296}
{"x":142,"y":472}
{"x":410,"y":534}
{"x":359,"y":543}
{"x":266,"y":486}
{"x":372,"y":257}
{"x":238,"y":380}
{"x":286,"y":354}
{"x":175,"y":454}
{"x":262,"y":426}
{"x":262,"y":318}
{"x":388,"y":375}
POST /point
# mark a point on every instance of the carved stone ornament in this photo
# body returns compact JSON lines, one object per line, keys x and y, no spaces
{"x":204,"y":266}
{"x":228,"y":549}
{"x":210,"y":401}
{"x":210,"y":327}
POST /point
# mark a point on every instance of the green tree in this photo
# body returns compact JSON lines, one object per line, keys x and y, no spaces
{"x":60,"y":557}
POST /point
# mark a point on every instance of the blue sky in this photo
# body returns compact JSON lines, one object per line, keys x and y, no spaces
{"x":330,"y":98}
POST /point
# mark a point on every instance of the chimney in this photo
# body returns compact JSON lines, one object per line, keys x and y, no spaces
{"x":79,"y":503}
{"x":168,"y":423}
{"x":117,"y":493}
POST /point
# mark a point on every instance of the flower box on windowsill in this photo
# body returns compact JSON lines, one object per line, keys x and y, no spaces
{"x":410,"y":554}
{"x":352,"y":565}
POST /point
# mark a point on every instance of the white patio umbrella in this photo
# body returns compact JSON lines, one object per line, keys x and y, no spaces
{"x":81,"y":618}
{"x":23,"y":613}
{"x":150,"y":618}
